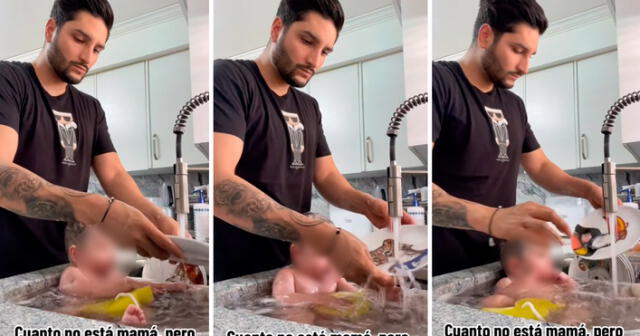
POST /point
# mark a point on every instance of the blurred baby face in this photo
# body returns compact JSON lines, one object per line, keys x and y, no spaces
{"x":311,"y":263}
{"x":96,"y":253}
{"x":537,"y":263}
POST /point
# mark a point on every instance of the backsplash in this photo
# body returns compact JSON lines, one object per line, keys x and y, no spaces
{"x":150,"y":184}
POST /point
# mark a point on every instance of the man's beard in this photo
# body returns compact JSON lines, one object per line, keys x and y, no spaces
{"x":493,"y":69}
{"x":286,"y":66}
{"x":61,"y":66}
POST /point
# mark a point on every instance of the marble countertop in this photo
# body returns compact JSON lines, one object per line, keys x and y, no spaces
{"x":12,"y":315}
{"x":244,"y":288}
{"x":447,"y":285}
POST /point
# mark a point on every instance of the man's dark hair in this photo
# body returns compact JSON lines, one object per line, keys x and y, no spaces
{"x":504,"y":15}
{"x":291,"y":11}
{"x":66,"y":10}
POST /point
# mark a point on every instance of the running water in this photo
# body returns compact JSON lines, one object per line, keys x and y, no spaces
{"x":396,"y":224}
{"x":614,"y":262}
{"x":182,"y":221}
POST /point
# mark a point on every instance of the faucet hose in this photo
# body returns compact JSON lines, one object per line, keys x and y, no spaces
{"x":612,"y":115}
{"x":183,"y":116}
{"x":396,"y":120}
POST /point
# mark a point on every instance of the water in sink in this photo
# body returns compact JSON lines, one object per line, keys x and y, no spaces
{"x":592,"y":303}
{"x":407,"y":316}
{"x":188,"y":309}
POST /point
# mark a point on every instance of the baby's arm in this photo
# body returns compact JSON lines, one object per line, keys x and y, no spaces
{"x":344,"y":286}
{"x":503,"y":283}
{"x":283,"y":284}
{"x":73,"y":282}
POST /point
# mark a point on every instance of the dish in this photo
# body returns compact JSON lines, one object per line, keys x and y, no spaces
{"x":412,"y":249}
{"x":591,"y":239}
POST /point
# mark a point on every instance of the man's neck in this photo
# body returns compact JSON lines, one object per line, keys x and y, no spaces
{"x":48,"y":77}
{"x":271,"y":74}
{"x":471,"y":65}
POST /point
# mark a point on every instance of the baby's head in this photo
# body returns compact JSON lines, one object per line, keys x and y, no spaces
{"x":310,"y":262}
{"x":89,"y":249}
{"x":522,"y":259}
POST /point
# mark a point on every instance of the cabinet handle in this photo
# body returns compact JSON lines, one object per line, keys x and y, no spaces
{"x":156,"y":147}
{"x":584,"y":144}
{"x":369,"y":150}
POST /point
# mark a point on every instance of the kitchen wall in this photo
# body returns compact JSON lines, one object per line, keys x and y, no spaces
{"x":150,"y":184}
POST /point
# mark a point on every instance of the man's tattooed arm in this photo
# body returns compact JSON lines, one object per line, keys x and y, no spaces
{"x":243,"y":205}
{"x":27,"y":194}
{"x":455,"y":213}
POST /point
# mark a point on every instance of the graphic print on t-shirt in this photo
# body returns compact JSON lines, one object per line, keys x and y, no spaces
{"x":67,"y":131}
{"x":296,"y":137}
{"x":501,"y":132}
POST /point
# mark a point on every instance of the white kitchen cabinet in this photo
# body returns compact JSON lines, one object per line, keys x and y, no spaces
{"x":338,"y":94}
{"x":169,"y":89}
{"x":123,"y":95}
{"x":550,"y":101}
{"x":597,"y":91}
{"x":382,"y":93}
{"x":88,"y":85}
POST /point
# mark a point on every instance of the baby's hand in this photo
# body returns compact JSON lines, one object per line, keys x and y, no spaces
{"x":565,"y":281}
{"x":170,"y":287}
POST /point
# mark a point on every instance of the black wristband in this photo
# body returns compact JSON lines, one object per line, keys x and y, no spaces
{"x":491,"y":219}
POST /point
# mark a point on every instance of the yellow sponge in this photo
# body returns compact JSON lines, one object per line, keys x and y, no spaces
{"x":529,"y":308}
{"x":360,"y":306}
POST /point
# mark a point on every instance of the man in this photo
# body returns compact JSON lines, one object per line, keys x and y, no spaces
{"x":51,"y":136}
{"x":481,"y":138}
{"x":269,"y":148}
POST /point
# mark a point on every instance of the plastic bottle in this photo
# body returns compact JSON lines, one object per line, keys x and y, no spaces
{"x":416,"y":211}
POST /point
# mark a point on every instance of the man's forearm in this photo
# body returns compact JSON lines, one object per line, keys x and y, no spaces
{"x":338,"y":191}
{"x":241,"y":204}
{"x":456,"y":213}
{"x":124,"y":188}
{"x":557,"y":181}
{"x":28,"y":195}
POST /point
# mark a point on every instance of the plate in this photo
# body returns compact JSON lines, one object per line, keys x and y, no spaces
{"x":591,"y":240}
{"x":195,"y":252}
{"x":414,"y":236}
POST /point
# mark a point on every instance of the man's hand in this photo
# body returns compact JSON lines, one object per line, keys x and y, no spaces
{"x":351,"y":257}
{"x":378,"y":213}
{"x":593,"y":194}
{"x":166,"y":224}
{"x":528,"y":221}
{"x":128,"y":226}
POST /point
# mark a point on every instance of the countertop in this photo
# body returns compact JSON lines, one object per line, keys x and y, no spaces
{"x":447,"y":285}
{"x":12,"y":315}
{"x":247,"y":287}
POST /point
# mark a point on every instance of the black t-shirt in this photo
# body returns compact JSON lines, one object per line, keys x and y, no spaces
{"x":58,"y":139}
{"x":282,"y":137}
{"x":479,"y":139}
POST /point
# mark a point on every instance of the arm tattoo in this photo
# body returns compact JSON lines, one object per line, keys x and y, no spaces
{"x":243,"y":203}
{"x":20,"y":185}
{"x":448,"y":213}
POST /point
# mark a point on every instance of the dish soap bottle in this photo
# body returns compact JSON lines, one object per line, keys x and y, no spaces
{"x":416,"y":211}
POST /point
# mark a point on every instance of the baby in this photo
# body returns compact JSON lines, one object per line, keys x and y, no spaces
{"x":309,"y":275}
{"x":530,"y":274}
{"x":93,"y":273}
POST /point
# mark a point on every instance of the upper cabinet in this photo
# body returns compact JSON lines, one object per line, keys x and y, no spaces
{"x":382,"y":93}
{"x":141,"y":102}
{"x":357,"y":102}
{"x":123,"y":95}
{"x":597,"y":91}
{"x":338,"y":94}
{"x":566,"y":105}
{"x":550,"y":101}
{"x":169,"y":90}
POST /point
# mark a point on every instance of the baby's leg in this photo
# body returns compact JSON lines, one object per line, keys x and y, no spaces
{"x":134,"y":316}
